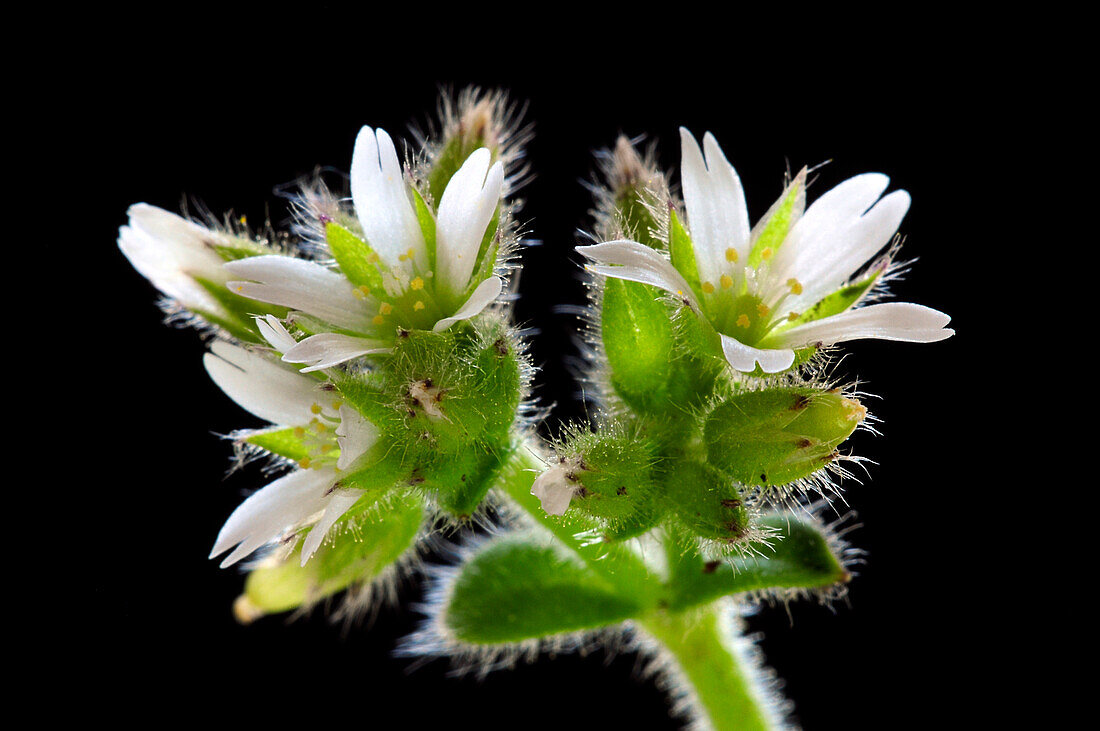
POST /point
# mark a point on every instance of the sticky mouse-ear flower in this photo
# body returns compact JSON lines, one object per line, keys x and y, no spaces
{"x":789,"y":282}
{"x":334,"y":435}
{"x":411,"y":268}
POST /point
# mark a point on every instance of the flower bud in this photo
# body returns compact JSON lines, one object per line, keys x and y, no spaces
{"x":779,"y":435}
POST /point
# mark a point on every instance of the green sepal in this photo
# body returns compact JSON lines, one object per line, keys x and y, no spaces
{"x":778,"y":435}
{"x":837,"y":302}
{"x":778,"y":221}
{"x":282,"y":442}
{"x":357,"y":260}
{"x":427,"y":226}
{"x":801,"y":556}
{"x":240,"y":248}
{"x":458,"y":483}
{"x":361,"y":552}
{"x":513,"y":590}
{"x":638,"y":339}
{"x":682,"y":251}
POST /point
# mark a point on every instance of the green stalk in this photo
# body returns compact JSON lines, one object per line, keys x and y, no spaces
{"x":720,"y":687}
{"x":723,"y":692}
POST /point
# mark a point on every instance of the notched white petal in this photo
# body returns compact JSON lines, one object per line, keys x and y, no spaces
{"x":301,"y":285}
{"x":273,"y":331}
{"x":339,"y":503}
{"x":355,"y":435}
{"x":745,"y":358}
{"x":637,"y":263}
{"x":381,"y":198}
{"x":326,"y":350}
{"x":717,"y":215}
{"x":903,"y":321}
{"x":261,"y":386}
{"x":481,"y":298}
{"x":465,"y":209}
{"x":555,"y":488}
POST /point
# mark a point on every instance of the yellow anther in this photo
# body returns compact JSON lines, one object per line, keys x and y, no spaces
{"x":417,"y":283}
{"x":731,"y":254}
{"x":385,"y":308}
{"x":708,"y":287}
{"x":240,"y":288}
{"x":726,"y":281}
{"x":743,"y":321}
{"x":372,"y":257}
{"x":358,"y":294}
{"x":364,"y":289}
{"x":680,"y":292}
{"x":304,"y":463}
{"x":378,"y":320}
{"x":299,"y":432}
{"x":403,"y":257}
{"x":762,"y":309}
{"x":795,"y":285}
{"x":336,"y":405}
{"x":244,"y":220}
{"x":418,"y":305}
{"x":766,"y":254}
{"x":315,"y":408}
{"x":326,"y":448}
{"x":793,"y":316}
{"x":410,"y":252}
{"x":318,"y":426}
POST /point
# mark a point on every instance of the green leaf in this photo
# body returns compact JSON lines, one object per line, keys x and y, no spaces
{"x":358,"y":556}
{"x":512,"y":590}
{"x":801,"y":557}
{"x":682,"y":251}
{"x":638,"y":339}
{"x":357,"y":260}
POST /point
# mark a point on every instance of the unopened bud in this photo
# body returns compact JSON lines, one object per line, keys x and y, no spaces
{"x":779,"y":435}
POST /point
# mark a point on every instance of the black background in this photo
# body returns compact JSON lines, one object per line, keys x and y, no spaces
{"x":225,"y":111}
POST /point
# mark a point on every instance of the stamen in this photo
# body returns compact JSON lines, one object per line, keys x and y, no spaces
{"x":326,"y":448}
{"x":726,"y":281}
{"x":708,"y":287}
{"x":299,"y":432}
{"x":762,"y":309}
{"x":794,"y":316}
{"x":304,"y":463}
{"x":743,"y":321}
{"x":731,"y":254}
{"x":418,"y":305}
{"x":315,"y":408}
{"x":336,"y":405}
{"x":795,"y":285}
{"x":417,"y":283}
{"x":385,"y":308}
{"x":372,"y":258}
{"x":766,"y":254}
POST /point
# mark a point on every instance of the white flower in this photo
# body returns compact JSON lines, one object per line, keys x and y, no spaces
{"x":786,"y":283}
{"x":414,"y":292}
{"x":307,"y":496}
{"x":555,"y":487}
{"x":173,"y":253}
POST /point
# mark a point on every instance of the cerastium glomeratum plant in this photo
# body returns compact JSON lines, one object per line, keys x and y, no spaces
{"x":376,"y":338}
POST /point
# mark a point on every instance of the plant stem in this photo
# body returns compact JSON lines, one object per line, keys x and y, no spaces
{"x":723,"y":693}
{"x":720,"y":690}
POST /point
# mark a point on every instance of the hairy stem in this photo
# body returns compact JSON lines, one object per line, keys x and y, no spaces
{"x":720,"y":690}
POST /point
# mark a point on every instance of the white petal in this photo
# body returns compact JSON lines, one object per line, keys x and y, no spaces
{"x":355,"y":435}
{"x":339,"y":503}
{"x":275,"y":334}
{"x":553,"y":489}
{"x":261,"y":386}
{"x":381,"y":198}
{"x":328,"y":349}
{"x":482,"y":297}
{"x":268,"y":513}
{"x":637,"y":263}
{"x":169,"y":251}
{"x":302,"y":285}
{"x":837,"y":236}
{"x":465,"y":209}
{"x":716,"y":212}
{"x":887,"y":321}
{"x":745,"y":357}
